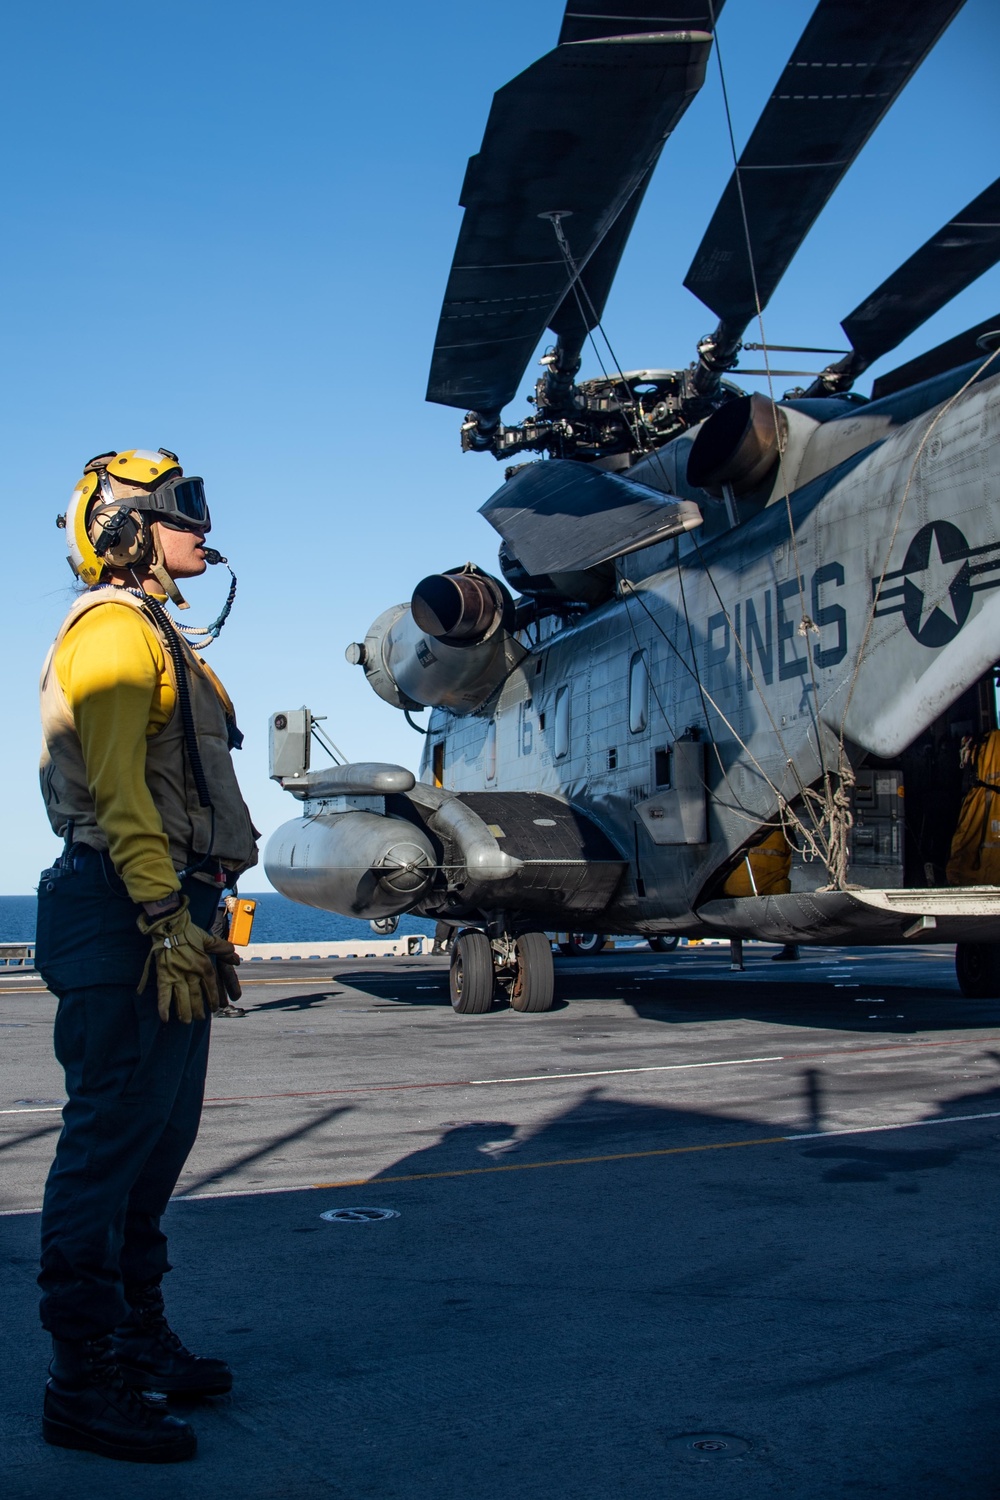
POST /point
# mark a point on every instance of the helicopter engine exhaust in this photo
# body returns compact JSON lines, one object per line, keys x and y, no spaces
{"x":739,"y":446}
{"x":451,"y":647}
{"x":458,"y":607}
{"x":357,"y":863}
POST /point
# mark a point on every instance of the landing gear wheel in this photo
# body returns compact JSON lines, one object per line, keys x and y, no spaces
{"x":663,"y":944}
{"x":977,"y":966}
{"x":470,"y":979}
{"x":582,"y":944}
{"x":534,"y":978}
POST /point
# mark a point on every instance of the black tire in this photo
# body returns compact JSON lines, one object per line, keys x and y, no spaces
{"x":663,"y":944}
{"x":977,"y":966}
{"x":470,"y":978}
{"x":534,"y":980}
{"x":583,"y":944}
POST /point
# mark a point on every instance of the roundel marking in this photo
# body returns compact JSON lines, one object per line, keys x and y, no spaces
{"x":938,"y":552}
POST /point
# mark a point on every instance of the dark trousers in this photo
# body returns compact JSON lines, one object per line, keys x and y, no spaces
{"x":134,"y":1086}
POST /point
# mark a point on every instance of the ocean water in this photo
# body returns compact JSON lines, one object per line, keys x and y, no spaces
{"x":277,"y":921}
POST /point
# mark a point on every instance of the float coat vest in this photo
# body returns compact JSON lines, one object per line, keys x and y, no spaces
{"x":187,"y":824}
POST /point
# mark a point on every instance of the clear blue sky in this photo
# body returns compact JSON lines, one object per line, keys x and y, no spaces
{"x":228,"y":230}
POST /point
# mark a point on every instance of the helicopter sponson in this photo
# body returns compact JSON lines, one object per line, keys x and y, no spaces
{"x":374,"y":843}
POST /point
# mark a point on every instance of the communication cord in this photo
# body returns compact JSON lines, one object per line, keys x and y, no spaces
{"x":210,"y":633}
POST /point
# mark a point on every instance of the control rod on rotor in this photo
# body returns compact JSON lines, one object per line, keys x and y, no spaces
{"x":716,"y":354}
{"x":562,"y":366}
{"x":553,"y":395}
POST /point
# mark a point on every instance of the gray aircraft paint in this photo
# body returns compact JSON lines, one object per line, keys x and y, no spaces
{"x":741,"y":589}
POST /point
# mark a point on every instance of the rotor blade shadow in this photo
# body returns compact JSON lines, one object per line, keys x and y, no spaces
{"x":31,"y":1135}
{"x":268,"y":1149}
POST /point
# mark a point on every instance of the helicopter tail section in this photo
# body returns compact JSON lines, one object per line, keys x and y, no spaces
{"x":928,"y":626}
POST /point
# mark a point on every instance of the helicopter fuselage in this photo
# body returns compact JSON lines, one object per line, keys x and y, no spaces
{"x":852,"y":615}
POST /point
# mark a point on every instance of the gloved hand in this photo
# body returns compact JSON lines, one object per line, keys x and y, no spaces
{"x":183,"y":953}
{"x":230,"y":989}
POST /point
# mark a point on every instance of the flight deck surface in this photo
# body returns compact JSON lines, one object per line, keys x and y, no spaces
{"x":692,"y":1232}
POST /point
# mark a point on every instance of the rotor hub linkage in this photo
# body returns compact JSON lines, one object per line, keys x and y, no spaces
{"x":595,"y":419}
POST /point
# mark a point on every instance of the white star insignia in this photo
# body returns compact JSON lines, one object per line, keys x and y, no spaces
{"x":936,"y":581}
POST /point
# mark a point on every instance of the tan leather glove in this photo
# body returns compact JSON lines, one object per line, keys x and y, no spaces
{"x":183,"y":953}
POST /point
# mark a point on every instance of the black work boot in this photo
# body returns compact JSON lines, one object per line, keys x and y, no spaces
{"x":152,"y":1358}
{"x":89,"y":1406}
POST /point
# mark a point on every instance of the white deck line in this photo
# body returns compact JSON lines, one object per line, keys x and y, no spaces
{"x":822,"y":1135}
{"x":36,"y":1109}
{"x":729,"y":1062}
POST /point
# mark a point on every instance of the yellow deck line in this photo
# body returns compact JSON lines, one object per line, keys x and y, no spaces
{"x":567,"y":1161}
{"x":580,"y":1161}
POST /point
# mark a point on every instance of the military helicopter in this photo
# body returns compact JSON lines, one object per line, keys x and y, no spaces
{"x":728,"y":631}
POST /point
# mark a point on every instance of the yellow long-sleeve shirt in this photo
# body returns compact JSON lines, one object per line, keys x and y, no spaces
{"x":113,"y":670}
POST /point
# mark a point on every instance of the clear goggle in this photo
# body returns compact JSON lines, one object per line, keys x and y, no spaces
{"x":178,"y":503}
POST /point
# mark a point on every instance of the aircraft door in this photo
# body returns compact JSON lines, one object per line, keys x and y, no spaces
{"x":561,"y":723}
{"x":490,"y":757}
{"x":638,"y":692}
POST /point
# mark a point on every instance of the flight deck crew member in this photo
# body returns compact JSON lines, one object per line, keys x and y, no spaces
{"x":138,"y":782}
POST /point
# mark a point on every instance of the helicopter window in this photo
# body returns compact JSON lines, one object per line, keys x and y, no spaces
{"x":561,"y":738}
{"x":638,"y":693}
{"x":437,"y":763}
{"x":491,"y":751}
{"x":613,"y":758}
{"x":661,"y":767}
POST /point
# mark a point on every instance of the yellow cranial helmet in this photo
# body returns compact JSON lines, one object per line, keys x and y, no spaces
{"x":84,"y":561}
{"x":119,"y":494}
{"x":107,"y":484}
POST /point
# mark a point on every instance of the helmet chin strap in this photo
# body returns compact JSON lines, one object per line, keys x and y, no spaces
{"x":157,"y":566}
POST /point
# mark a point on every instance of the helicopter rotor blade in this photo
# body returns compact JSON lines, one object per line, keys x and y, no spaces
{"x":952,"y":259}
{"x":582,"y":308}
{"x":575,"y":135}
{"x":850,"y":63}
{"x":960,"y":350}
{"x":960,"y":252}
{"x":590,"y":20}
{"x":587,"y":20}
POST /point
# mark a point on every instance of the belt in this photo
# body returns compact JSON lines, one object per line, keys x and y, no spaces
{"x":79,"y":855}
